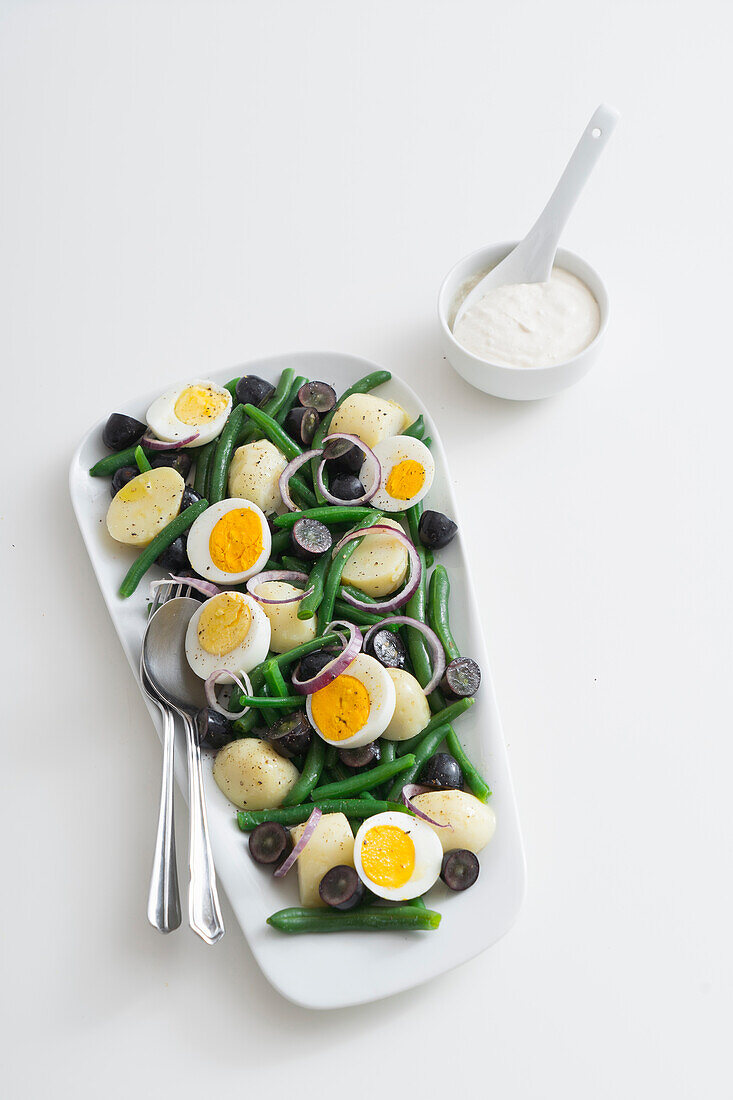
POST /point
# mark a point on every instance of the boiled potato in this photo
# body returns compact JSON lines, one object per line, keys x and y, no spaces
{"x":254,"y":473}
{"x":287,"y":629}
{"x":332,"y":845}
{"x":378,"y":566}
{"x":473,"y":822}
{"x":411,"y":712}
{"x":252,"y":775}
{"x":145,"y":506}
{"x":370,"y":418}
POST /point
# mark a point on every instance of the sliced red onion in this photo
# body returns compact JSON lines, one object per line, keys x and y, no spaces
{"x":277,"y":575}
{"x":339,"y":664}
{"x":392,"y":603}
{"x":206,"y":588}
{"x":437,"y":655}
{"x":244,"y":686}
{"x":285,"y":476}
{"x":369,"y":457}
{"x":154,"y":444}
{"x":310,"y":828}
{"x":408,"y":793}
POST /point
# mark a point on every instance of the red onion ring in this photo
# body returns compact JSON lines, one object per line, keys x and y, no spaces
{"x":154,"y":444}
{"x":245,"y":687}
{"x":277,"y":575}
{"x":285,"y":476}
{"x":334,"y":668}
{"x":370,"y":458}
{"x":310,"y":828}
{"x":392,"y":603}
{"x":207,"y":588}
{"x":408,"y":793}
{"x":437,"y":655}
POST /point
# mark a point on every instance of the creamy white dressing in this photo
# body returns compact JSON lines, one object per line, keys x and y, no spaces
{"x":529,"y":324}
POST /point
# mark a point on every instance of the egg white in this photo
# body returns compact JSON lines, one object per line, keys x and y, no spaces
{"x":198,"y":542}
{"x":382,"y":696}
{"x":251,"y":652}
{"x":163,"y":422}
{"x":428,"y":855}
{"x":390,"y":452}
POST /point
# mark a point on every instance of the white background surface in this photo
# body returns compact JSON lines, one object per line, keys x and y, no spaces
{"x":191,"y":185}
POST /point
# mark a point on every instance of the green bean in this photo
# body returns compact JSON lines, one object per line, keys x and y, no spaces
{"x":161,"y":542}
{"x":280,"y":543}
{"x":428,"y":441}
{"x":141,"y":460}
{"x":232,"y":387}
{"x":426,"y":748}
{"x":369,"y":918}
{"x":363,"y":385}
{"x":331,"y":756}
{"x":308,"y":778}
{"x":273,"y":431}
{"x":367,"y":795}
{"x":274,"y":679}
{"x":309,"y":605}
{"x":473,"y":778}
{"x":110,"y":464}
{"x":416,"y":608}
{"x":290,"y":399}
{"x":333,"y":577}
{"x":387,"y":755}
{"x":249,"y":431}
{"x":204,"y":456}
{"x":302,"y":493}
{"x":344,"y":610}
{"x":364,"y":781}
{"x":242,"y":726}
{"x":438,"y":596}
{"x":443,"y":717}
{"x":417,"y":903}
{"x":325,"y":514}
{"x":416,"y":429}
{"x":275,"y":702}
{"x":291,"y":814}
{"x":267,"y":715}
{"x":223,"y":454}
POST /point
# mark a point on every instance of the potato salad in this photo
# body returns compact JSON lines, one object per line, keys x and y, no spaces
{"x":334,"y":684}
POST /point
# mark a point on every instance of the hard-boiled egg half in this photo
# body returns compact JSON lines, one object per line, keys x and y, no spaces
{"x":397,"y":856}
{"x":228,"y":631}
{"x":189,"y":407}
{"x":356,"y":707}
{"x":408,"y":470}
{"x":229,"y":542}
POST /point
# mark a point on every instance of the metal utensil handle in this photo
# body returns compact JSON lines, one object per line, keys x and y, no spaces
{"x":204,"y":912}
{"x":164,"y":904}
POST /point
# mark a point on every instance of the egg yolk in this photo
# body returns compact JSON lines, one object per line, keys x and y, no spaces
{"x":341,"y":708}
{"x":388,"y":856}
{"x":199,"y":404}
{"x":405,"y":479}
{"x":235,"y":543}
{"x":224,"y":623}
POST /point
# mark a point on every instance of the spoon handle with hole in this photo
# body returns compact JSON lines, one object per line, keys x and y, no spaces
{"x":204,"y":912}
{"x":542,"y":240}
{"x":164,"y":903}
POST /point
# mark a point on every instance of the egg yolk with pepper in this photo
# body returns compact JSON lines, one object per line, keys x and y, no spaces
{"x":388,"y":856}
{"x":406,"y":479}
{"x":341,"y":708}
{"x":224,"y":623}
{"x":199,"y":404}
{"x":235,"y":542}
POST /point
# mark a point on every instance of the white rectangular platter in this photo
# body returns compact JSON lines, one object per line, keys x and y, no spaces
{"x":334,"y":970}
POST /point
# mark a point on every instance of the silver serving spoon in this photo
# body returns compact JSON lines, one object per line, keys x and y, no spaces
{"x":164,"y":662}
{"x":532,"y":259}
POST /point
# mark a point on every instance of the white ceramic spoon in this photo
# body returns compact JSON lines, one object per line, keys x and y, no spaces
{"x":531,"y":261}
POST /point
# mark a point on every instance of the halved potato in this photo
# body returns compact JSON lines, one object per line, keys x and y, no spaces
{"x":145,"y":506}
{"x":378,"y":566}
{"x":370,"y":418}
{"x":331,"y":845}
{"x":473,"y":822}
{"x":252,"y":775}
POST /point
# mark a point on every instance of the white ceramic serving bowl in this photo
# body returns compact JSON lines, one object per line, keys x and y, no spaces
{"x":517,"y":383}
